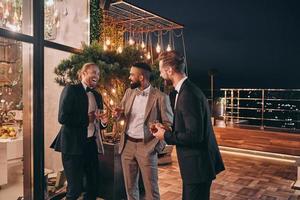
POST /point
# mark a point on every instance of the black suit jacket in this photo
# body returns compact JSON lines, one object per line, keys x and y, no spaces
{"x":73,"y":116}
{"x":197,"y":150}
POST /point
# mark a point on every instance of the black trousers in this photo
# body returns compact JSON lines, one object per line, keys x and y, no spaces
{"x":78,"y":168}
{"x":199,"y":191}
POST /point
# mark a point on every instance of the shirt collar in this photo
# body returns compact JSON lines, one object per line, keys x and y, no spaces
{"x":179,"y":84}
{"x":84,"y":85}
{"x":146,"y":91}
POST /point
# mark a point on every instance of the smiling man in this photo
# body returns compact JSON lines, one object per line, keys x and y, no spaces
{"x":141,"y":105}
{"x":79,"y":138}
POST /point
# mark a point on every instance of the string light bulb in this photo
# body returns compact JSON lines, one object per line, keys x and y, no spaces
{"x":131,"y":41}
{"x":169,"y":48}
{"x":148,"y":56}
{"x":143,"y":45}
{"x":158,"y":48}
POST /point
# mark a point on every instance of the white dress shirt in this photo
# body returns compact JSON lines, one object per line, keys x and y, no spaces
{"x":92,"y":108}
{"x":137,"y":115}
{"x":177,"y":88}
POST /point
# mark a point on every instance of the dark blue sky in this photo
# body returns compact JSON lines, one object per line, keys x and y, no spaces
{"x":252,"y":43}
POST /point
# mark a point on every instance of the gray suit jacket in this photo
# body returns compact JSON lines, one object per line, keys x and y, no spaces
{"x":158,"y":108}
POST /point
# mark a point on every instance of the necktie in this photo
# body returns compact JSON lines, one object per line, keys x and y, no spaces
{"x":172,"y":96}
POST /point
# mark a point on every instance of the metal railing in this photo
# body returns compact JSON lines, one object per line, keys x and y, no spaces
{"x":265,"y":108}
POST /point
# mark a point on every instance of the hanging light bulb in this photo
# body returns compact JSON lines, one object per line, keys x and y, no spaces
{"x":107,"y":42}
{"x":119,"y":49}
{"x":169,"y":47}
{"x":143,"y":45}
{"x":131,"y":41}
{"x":148,"y":56}
{"x":158,"y":48}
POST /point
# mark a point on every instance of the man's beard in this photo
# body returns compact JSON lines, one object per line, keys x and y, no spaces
{"x":135,"y":85}
{"x":168,"y":82}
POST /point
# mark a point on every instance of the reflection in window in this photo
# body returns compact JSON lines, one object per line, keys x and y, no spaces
{"x":11,"y":15}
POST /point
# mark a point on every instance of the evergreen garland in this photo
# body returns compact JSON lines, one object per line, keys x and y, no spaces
{"x":95,"y":20}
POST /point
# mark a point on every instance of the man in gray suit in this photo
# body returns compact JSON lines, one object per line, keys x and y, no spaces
{"x":141,"y":105}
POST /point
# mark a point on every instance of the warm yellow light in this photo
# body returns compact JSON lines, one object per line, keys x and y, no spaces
{"x":131,"y":41}
{"x":107,"y":42}
{"x":119,"y":49}
{"x":143,"y":45}
{"x":113,"y":91}
{"x":169,"y":48}
{"x":111,"y":102}
{"x":148,"y":56}
{"x":122,"y":123}
{"x":158,"y":48}
{"x":104,"y":47}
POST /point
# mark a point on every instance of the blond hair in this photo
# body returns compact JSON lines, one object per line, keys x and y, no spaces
{"x":84,"y":68}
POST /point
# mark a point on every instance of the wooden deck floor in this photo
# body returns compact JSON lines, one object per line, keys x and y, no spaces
{"x":244,"y":178}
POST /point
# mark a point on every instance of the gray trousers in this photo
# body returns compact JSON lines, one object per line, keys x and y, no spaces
{"x":135,"y":157}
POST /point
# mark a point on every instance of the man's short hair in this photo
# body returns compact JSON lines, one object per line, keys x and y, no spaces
{"x":143,"y":66}
{"x":173,"y":59}
{"x":146,"y":69}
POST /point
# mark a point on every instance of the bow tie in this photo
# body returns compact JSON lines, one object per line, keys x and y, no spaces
{"x":88,"y":89}
{"x":142,"y":93}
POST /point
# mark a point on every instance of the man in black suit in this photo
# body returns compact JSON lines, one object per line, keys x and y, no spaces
{"x":197,"y":150}
{"x":79,"y":138}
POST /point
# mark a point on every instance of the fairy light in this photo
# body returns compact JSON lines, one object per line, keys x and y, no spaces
{"x":104,"y":47}
{"x":143,"y":45}
{"x":122,"y":123}
{"x":119,"y":49}
{"x":113,"y":90}
{"x":107,"y":42}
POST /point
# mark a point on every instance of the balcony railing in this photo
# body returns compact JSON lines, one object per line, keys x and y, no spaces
{"x":264,"y":108}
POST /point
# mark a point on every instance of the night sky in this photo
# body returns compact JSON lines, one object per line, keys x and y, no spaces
{"x":251,"y":43}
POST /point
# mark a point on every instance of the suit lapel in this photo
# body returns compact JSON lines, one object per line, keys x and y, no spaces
{"x":129,"y":102}
{"x":184,"y":84}
{"x":151,"y":100}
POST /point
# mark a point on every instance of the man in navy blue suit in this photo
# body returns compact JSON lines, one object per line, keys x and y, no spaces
{"x":79,"y":139}
{"x":198,"y":154}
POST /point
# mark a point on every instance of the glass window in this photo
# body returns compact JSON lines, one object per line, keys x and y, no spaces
{"x":67,"y":22}
{"x":52,"y":91}
{"x":16,"y":15}
{"x":15,"y":117}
